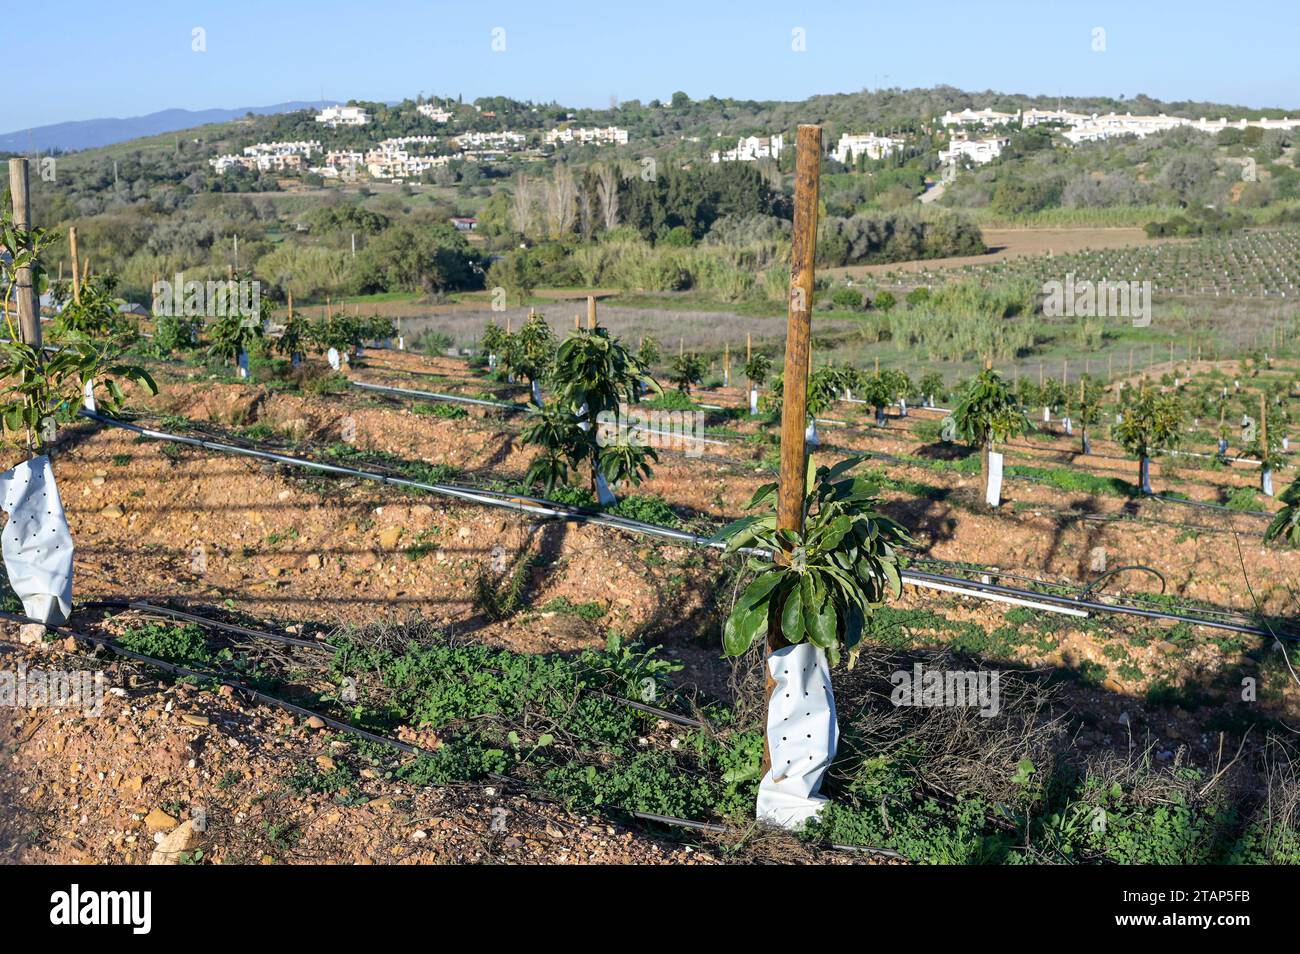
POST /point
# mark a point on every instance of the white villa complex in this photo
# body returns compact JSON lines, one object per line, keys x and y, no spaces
{"x":1085,"y":127}
{"x":436,"y":113}
{"x":343,"y":116}
{"x":269,"y":157}
{"x":978,"y":117}
{"x":851,"y":146}
{"x":751,"y":149}
{"x":608,"y":135}
{"x":1093,"y":128}
{"x":978,"y":151}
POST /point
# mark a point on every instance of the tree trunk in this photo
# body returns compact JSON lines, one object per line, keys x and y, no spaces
{"x":984,"y":468}
{"x":1144,"y":475}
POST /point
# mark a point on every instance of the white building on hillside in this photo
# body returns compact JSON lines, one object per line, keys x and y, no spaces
{"x":1033,"y":117}
{"x":302,"y":148}
{"x":751,"y":149}
{"x":978,"y":117}
{"x":343,"y":116}
{"x":852,"y":146}
{"x":978,"y":151}
{"x":500,"y":141}
{"x":600,"y":136}
{"x":436,"y":113}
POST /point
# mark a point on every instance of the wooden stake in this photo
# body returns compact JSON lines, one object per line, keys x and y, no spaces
{"x":29,"y":303}
{"x":1263,"y":426}
{"x":76,"y":265}
{"x":749,"y":348}
{"x":577,"y":322}
{"x":591,"y":312}
{"x":794,"y":407}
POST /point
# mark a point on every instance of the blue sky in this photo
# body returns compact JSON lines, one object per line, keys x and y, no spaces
{"x":129,"y":58}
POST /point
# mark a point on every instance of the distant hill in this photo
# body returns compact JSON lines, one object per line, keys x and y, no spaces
{"x":90,"y":133}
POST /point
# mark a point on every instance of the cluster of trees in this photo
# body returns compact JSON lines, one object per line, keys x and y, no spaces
{"x":681,"y":205}
{"x":895,"y":237}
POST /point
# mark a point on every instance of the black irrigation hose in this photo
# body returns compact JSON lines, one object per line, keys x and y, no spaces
{"x":1211,"y":506}
{"x":1120,"y":569}
{"x":152,"y":608}
{"x":406,"y":748}
{"x":304,"y":713}
{"x":551,"y":510}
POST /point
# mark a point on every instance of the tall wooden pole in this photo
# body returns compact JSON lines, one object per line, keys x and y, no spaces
{"x":798,"y":349}
{"x":29,"y":306}
{"x":76,"y":265}
{"x":1263,"y":427}
{"x":591,"y":312}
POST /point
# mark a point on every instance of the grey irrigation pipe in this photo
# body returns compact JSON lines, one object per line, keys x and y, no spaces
{"x":509,"y":406}
{"x":987,"y":591}
{"x":434,"y":396}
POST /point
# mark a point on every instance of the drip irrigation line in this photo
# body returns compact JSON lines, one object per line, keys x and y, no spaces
{"x":330,"y":721}
{"x":1210,"y":506}
{"x":168,"y":611}
{"x":551,"y":510}
{"x":143,"y":607}
{"x":1099,"y":607}
{"x":997,"y":573}
{"x":508,"y":406}
{"x":729,"y":442}
{"x":435,"y":396}
{"x":1121,"y":569}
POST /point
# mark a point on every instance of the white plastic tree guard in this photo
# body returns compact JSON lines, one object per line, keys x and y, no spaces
{"x":753,"y":400}
{"x":802,"y":735}
{"x":810,"y":433}
{"x":36,"y":544}
{"x":993,"y":496}
{"x":333,"y":357}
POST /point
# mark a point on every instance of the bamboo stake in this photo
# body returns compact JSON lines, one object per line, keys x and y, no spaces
{"x":591,"y":312}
